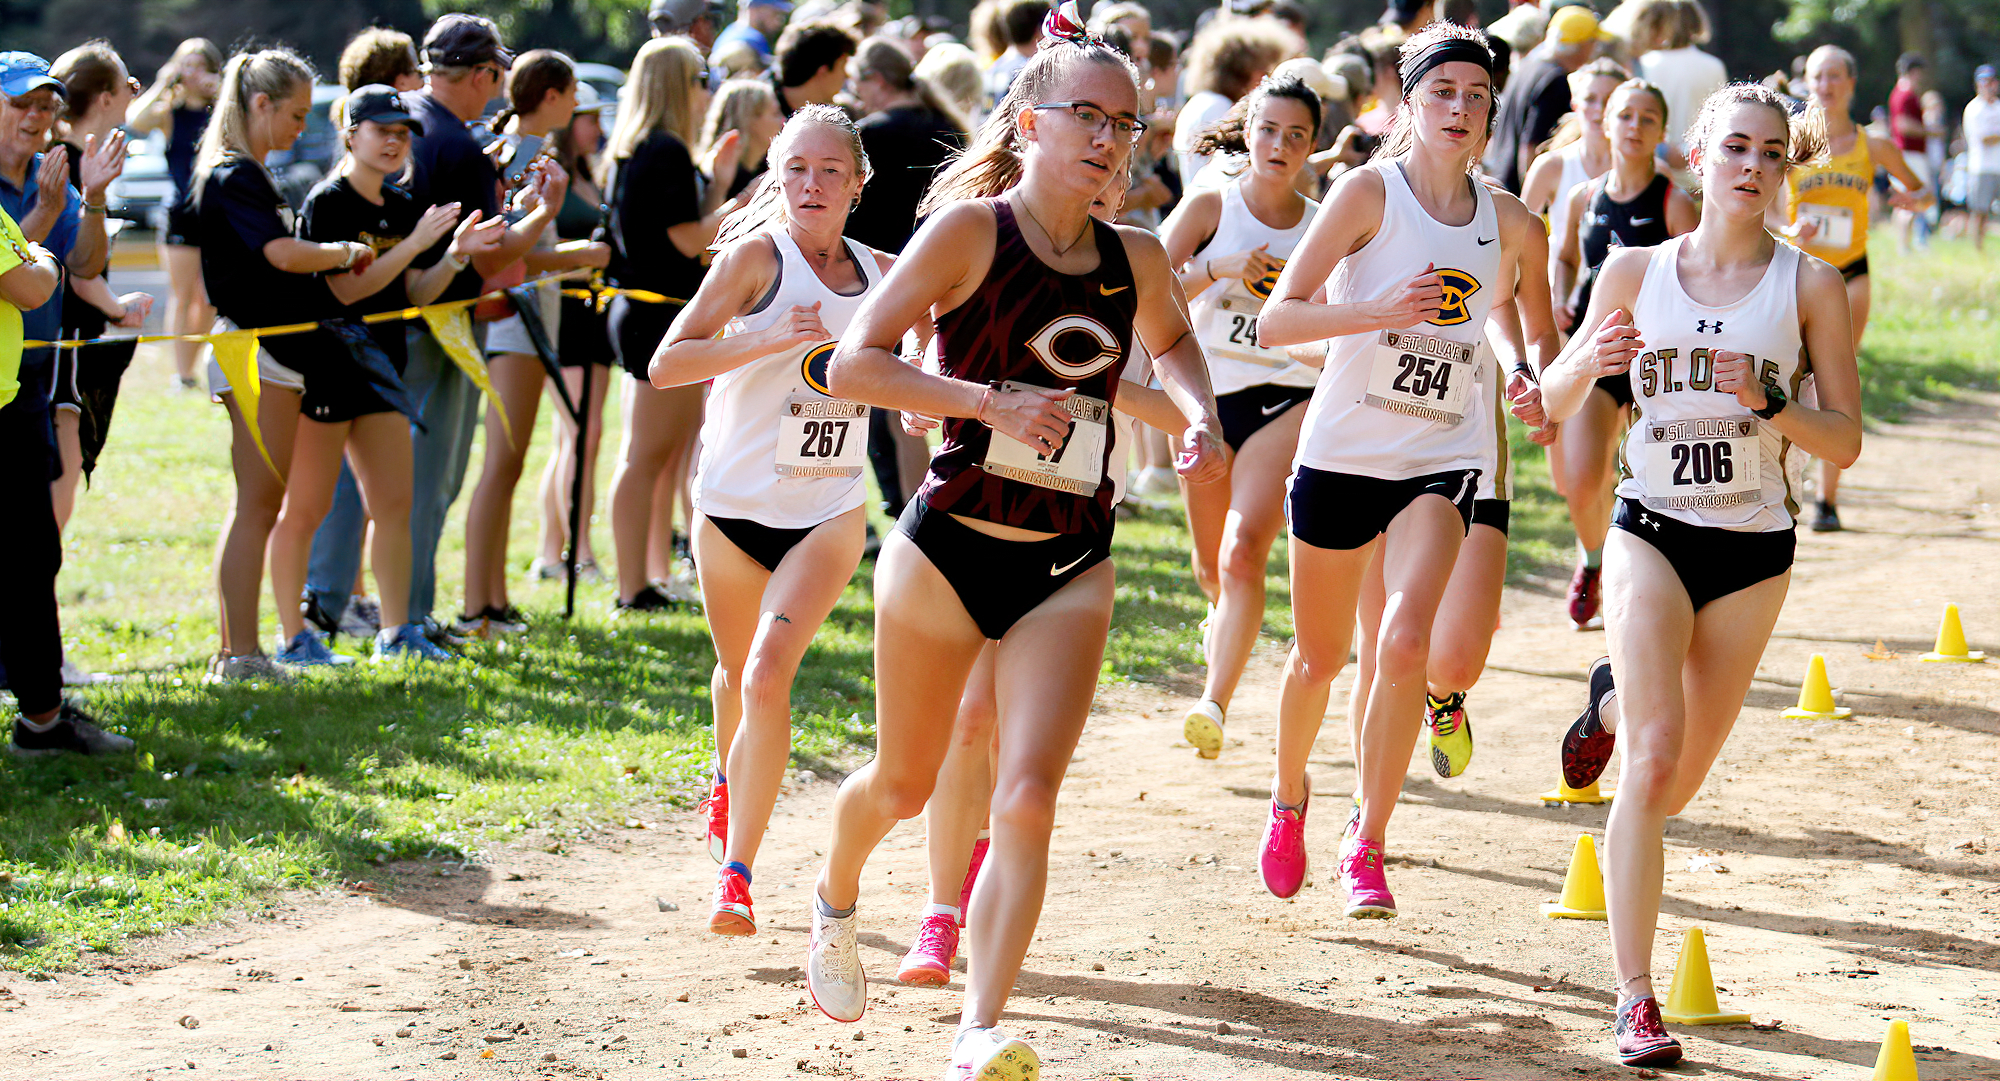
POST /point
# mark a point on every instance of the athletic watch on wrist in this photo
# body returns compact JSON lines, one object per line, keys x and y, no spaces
{"x":1774,"y":403}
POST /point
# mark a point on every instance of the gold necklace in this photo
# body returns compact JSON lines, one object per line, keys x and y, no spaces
{"x":1059,"y":252}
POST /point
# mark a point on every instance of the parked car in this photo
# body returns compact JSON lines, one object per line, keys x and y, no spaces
{"x":315,"y":153}
{"x":140,"y":195}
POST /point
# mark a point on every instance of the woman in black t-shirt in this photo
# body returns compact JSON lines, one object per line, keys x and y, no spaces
{"x":658,"y":232}
{"x":910,"y":131}
{"x":346,"y":414}
{"x":97,"y":89}
{"x":259,"y":275}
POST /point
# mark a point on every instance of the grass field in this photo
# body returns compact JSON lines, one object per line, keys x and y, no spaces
{"x":241,"y":790}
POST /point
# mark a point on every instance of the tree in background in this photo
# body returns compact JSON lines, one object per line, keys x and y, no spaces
{"x":1954,"y":35}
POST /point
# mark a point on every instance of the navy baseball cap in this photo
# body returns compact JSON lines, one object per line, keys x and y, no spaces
{"x":458,"y":40}
{"x":24,"y":73}
{"x":382,"y":105}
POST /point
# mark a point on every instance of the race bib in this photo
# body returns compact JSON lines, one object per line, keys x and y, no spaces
{"x":1076,"y":467}
{"x":1704,"y":463}
{"x":822,"y":437}
{"x":1421,"y":375}
{"x":1230,"y":327}
{"x":1835,"y":225}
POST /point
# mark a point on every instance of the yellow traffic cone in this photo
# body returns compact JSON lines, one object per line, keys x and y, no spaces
{"x":1691,"y":1001}
{"x":1816,"y":696}
{"x":1896,"y":1062}
{"x":1951,"y":641}
{"x":1563,"y":793}
{"x":1583,"y":887}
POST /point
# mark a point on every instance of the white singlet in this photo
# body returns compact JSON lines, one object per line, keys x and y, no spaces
{"x":1496,"y":477}
{"x":1138,"y":370}
{"x":776,"y":448}
{"x":1225,"y":313}
{"x":1694,"y":453}
{"x":1572,"y":174}
{"x":1398,"y":404}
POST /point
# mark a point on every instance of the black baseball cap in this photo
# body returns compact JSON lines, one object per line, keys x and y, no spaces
{"x":458,"y":40}
{"x":382,"y":105}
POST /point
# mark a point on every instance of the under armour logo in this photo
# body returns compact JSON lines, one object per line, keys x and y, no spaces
{"x":1647,"y":521}
{"x":1704,"y":326}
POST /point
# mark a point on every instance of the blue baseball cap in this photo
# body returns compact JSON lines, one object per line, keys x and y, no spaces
{"x":782,"y":5}
{"x":24,"y":73}
{"x":1984,"y":71}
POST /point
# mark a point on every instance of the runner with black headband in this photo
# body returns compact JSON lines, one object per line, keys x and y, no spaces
{"x":1412,"y":253}
{"x":1037,"y":308}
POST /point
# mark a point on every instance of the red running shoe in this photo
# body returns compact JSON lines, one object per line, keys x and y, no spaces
{"x":971,"y":876}
{"x":732,"y":915}
{"x":1642,"y":1040}
{"x":1586,"y":747}
{"x":1583,"y":599}
{"x":716,"y":808}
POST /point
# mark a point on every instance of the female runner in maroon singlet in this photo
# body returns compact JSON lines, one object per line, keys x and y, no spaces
{"x":1036,"y":307}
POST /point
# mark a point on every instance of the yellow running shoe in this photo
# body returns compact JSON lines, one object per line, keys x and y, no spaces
{"x":1448,"y":734}
{"x":1204,"y":728}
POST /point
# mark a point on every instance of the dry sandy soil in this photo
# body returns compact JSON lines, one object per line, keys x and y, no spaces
{"x":1852,"y":876}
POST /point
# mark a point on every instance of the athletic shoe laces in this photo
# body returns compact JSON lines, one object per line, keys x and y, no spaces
{"x":1642,"y":1020}
{"x":836,"y":949}
{"x":1445,"y":714}
{"x":936,"y":938}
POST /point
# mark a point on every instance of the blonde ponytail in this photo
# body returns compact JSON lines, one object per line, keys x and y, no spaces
{"x":276,"y":73}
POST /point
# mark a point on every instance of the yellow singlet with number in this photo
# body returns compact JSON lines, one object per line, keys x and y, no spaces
{"x":1833,"y":191}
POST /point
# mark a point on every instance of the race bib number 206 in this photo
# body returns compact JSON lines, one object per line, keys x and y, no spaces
{"x":1700,"y":463}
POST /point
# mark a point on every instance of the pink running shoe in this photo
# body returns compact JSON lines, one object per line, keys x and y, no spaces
{"x":1361,"y":876}
{"x":1281,"y":859}
{"x":928,"y":964}
{"x":732,"y":914}
{"x":716,"y":809}
{"x":971,"y":876}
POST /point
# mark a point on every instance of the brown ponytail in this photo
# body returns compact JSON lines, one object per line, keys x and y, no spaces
{"x":535,"y":74}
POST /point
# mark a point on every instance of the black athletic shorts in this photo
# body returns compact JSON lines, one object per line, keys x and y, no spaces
{"x":1493,"y":513}
{"x":765,"y":544}
{"x":999,"y":581}
{"x":337,"y":397}
{"x":1245,"y":412}
{"x":1343,"y":511}
{"x":1710,"y":562}
{"x":1855,"y":269}
{"x":183,"y":225}
{"x":637,"y":329}
{"x":583,"y":336}
{"x":1618,"y":386}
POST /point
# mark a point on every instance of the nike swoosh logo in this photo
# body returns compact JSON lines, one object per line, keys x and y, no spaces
{"x":1112,"y":292}
{"x":1483,"y":243}
{"x":1644,"y":221}
{"x":1272,"y":410}
{"x":1057,"y":572}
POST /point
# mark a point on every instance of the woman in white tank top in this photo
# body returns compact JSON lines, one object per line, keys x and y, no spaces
{"x":1229,"y":244}
{"x":779,"y":481}
{"x":1412,"y":253}
{"x":1717,"y":331}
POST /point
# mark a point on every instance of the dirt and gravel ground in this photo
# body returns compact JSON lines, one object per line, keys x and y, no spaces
{"x":1850,"y":875}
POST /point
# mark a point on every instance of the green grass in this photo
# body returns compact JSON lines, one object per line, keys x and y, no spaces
{"x":239,"y":791}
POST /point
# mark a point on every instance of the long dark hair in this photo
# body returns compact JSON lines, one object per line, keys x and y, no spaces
{"x":1402,"y":134}
{"x":1226,"y":136}
{"x":535,"y":73}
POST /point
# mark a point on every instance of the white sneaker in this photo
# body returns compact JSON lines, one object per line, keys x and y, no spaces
{"x":1155,"y":480}
{"x":833,"y":966}
{"x":1203,"y":728}
{"x":683,"y":585}
{"x":988,"y":1054}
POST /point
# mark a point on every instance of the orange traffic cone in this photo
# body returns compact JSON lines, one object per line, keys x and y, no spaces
{"x":1816,"y":695}
{"x":1691,"y":1001}
{"x":1563,"y":793}
{"x":1583,"y":887}
{"x":1896,"y":1061}
{"x":1951,"y":641}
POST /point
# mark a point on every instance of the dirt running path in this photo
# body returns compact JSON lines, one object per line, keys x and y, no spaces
{"x":1853,"y":875}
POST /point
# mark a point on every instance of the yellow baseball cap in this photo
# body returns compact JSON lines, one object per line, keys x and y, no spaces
{"x":1574,"y":25}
